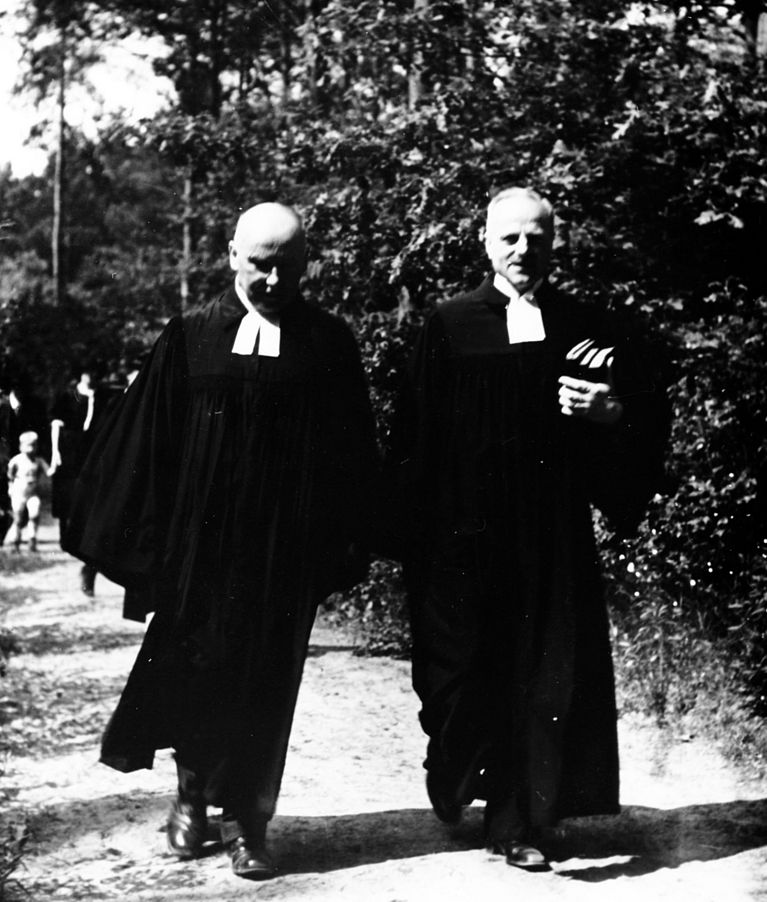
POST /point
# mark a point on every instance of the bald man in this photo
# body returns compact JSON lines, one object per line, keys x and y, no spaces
{"x":524,"y":406}
{"x":228,"y":495}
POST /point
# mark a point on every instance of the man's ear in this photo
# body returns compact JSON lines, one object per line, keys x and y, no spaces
{"x":232,"y":256}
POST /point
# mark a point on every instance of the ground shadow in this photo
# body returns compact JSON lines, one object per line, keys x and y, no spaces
{"x":302,"y":844}
{"x":652,"y":838}
{"x":648,"y":838}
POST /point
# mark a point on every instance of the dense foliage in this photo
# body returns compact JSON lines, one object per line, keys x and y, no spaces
{"x":13,"y":833}
{"x":387,"y":124}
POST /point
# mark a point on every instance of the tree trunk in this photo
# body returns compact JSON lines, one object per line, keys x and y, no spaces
{"x":186,"y":252}
{"x":415,"y":77}
{"x":217,"y":29}
{"x":57,"y":270}
{"x":286,"y":63}
{"x":761,"y":36}
{"x":310,"y":45}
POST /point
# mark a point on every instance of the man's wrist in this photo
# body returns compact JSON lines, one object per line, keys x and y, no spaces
{"x":613,"y":411}
{"x":606,"y":413}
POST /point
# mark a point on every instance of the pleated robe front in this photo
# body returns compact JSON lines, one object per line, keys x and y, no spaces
{"x":225,"y":494}
{"x":511,"y":652}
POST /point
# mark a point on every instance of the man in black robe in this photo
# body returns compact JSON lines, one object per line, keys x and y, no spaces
{"x":524,"y":406}
{"x":228,"y":493}
{"x":76,"y":414}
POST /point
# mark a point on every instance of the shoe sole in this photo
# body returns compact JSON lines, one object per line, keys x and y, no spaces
{"x":256,"y":873}
{"x":530,"y":868}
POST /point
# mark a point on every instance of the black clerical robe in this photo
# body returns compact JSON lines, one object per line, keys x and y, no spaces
{"x":72,"y":410}
{"x":225,"y":493}
{"x":511,"y":656}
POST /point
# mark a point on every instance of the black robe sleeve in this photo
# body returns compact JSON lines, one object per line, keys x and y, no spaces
{"x":124,"y":494}
{"x":625,"y":463}
{"x":408,"y":492}
{"x":348,"y":444}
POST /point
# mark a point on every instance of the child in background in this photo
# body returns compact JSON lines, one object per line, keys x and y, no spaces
{"x":26,"y":472}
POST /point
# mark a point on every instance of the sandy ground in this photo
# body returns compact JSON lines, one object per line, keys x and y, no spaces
{"x":353,"y":820}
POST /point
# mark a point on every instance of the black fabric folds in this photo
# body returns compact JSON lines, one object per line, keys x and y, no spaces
{"x":225,"y":494}
{"x":493,"y":487}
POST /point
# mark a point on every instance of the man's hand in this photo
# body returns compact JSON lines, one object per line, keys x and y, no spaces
{"x":55,"y":463}
{"x":590,"y":400}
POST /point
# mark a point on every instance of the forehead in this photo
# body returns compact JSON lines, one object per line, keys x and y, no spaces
{"x":517,"y":214}
{"x":268,"y":243}
{"x":262,"y":248}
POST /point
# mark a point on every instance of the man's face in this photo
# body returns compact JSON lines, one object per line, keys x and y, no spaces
{"x":268,"y":270}
{"x":518,"y":241}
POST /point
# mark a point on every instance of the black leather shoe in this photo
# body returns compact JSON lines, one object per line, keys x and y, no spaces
{"x":187,"y":828}
{"x":251,"y":862}
{"x":445,"y":805}
{"x":521,"y":855}
{"x":87,"y":580}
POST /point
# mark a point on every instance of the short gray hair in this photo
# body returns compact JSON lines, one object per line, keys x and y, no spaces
{"x":526,"y":193}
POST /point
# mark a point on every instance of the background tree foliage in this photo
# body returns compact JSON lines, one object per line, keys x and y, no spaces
{"x":388,"y":123}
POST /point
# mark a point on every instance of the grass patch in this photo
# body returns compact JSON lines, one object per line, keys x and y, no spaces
{"x":13,"y":838}
{"x":13,"y":564}
{"x":55,"y":638}
{"x":691,"y":684}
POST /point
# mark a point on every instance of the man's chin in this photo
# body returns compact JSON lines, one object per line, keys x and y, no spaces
{"x":521,"y":279}
{"x":269,"y":305}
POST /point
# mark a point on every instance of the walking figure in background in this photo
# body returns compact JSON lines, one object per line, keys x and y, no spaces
{"x":26,"y":474}
{"x":523,"y":407}
{"x":74,"y":417}
{"x":229,"y":495}
{"x":20,"y":411}
{"x":6,"y":452}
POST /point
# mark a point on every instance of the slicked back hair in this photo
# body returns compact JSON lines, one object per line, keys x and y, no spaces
{"x":523,"y":193}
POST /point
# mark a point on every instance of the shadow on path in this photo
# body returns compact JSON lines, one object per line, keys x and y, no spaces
{"x":651,"y":838}
{"x":655,"y":838}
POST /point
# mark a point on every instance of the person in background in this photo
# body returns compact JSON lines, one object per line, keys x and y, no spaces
{"x":6,"y":452}
{"x":132,"y":370}
{"x":75,"y":414}
{"x":26,"y":474}
{"x":20,"y":411}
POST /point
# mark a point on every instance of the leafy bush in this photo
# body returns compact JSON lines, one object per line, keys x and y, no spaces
{"x":378,"y":608}
{"x":385,"y":341}
{"x":13,"y":832}
{"x":691,"y":586}
{"x":645,"y":124}
{"x":8,"y":645}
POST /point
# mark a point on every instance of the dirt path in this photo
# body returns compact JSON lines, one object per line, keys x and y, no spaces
{"x":353,"y":820}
